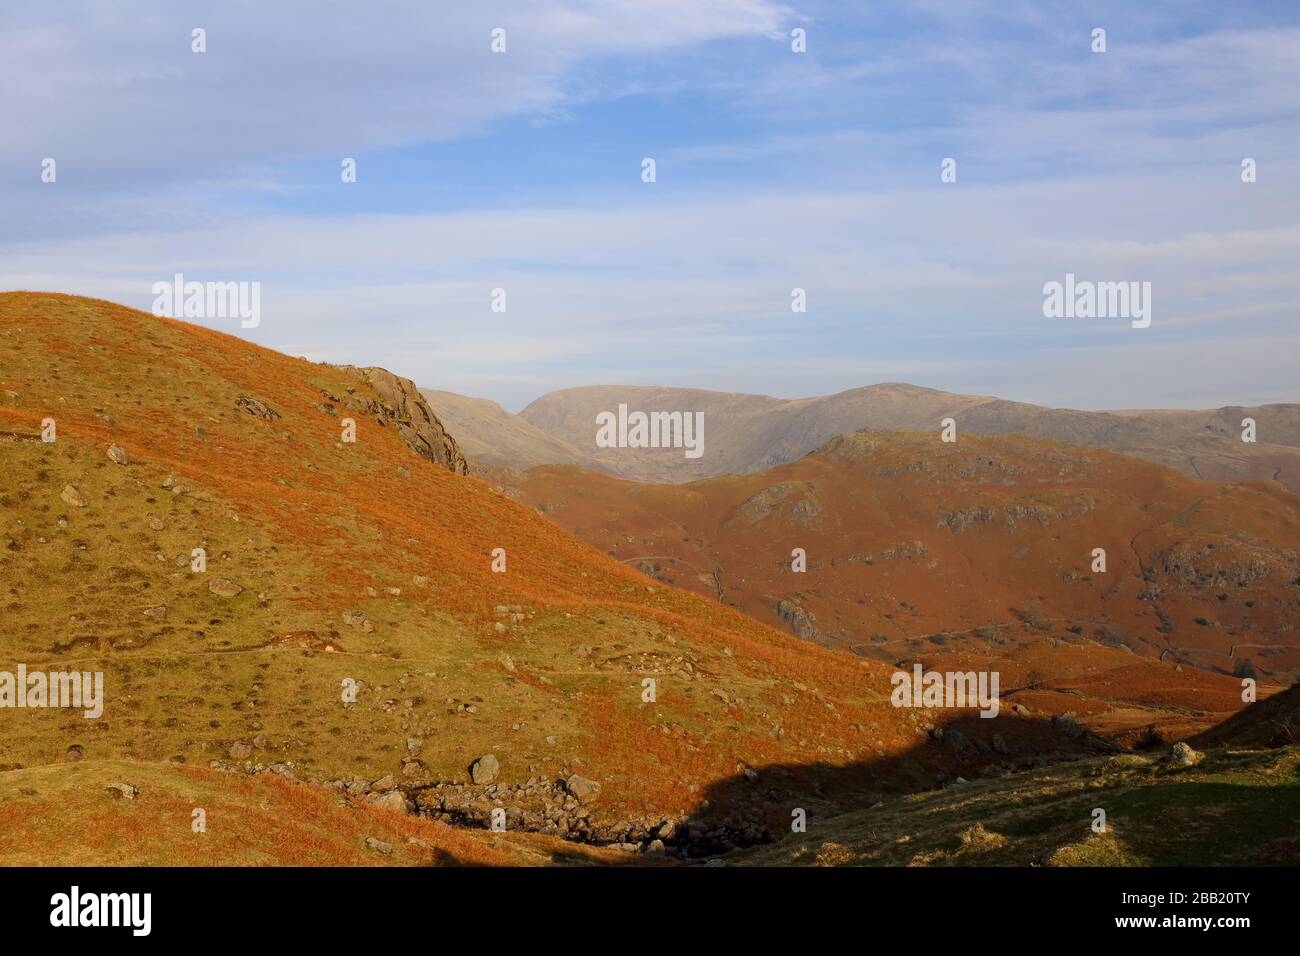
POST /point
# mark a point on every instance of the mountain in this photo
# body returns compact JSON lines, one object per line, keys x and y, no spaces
{"x":348,"y":664}
{"x":913,"y":545}
{"x":748,"y":433}
{"x":491,"y":435}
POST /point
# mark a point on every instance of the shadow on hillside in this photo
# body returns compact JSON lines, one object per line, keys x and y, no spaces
{"x":758,"y":805}
{"x":1199,"y":823}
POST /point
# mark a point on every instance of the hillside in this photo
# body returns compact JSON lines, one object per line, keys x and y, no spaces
{"x":1233,"y":808}
{"x":349,"y":631}
{"x":748,"y":433}
{"x":1235,"y":804}
{"x":490,"y":435}
{"x":84,"y":814}
{"x":914,"y":545}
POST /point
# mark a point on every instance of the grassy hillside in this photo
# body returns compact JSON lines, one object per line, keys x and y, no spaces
{"x":355,"y":562}
{"x":79,"y":815}
{"x":368,"y":565}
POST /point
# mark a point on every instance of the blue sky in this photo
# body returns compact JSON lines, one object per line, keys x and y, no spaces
{"x":775,"y":170}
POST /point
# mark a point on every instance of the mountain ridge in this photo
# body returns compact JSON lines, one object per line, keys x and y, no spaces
{"x":747,"y":433}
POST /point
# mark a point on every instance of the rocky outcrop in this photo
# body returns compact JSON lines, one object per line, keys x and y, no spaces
{"x":401,"y":403}
{"x":803,"y":624}
{"x":256,"y":407}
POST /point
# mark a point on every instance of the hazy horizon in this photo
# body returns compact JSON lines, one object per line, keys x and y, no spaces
{"x":775,"y":170}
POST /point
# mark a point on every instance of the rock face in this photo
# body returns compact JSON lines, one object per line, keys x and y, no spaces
{"x":803,"y":624}
{"x":484,"y":769}
{"x":401,"y":403}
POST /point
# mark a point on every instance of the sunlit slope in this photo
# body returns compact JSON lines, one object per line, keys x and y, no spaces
{"x":128,"y":813}
{"x":918,"y":546}
{"x":355,"y":562}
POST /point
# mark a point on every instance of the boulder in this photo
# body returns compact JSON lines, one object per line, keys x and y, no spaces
{"x":74,"y":496}
{"x":485,"y":769}
{"x":392,"y":800}
{"x":117,"y":454}
{"x":582,"y":788}
{"x":1182,"y":755}
{"x":223,"y":587}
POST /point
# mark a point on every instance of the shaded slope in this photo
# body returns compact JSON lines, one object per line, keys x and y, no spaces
{"x":1232,"y":809}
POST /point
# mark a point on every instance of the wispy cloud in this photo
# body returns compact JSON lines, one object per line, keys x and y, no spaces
{"x":776,"y":170}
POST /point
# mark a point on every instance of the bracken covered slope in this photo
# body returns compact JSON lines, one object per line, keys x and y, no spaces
{"x":915,"y":545}
{"x":334,"y":566}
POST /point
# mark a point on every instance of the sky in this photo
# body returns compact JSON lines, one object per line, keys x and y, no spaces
{"x":774,"y":170}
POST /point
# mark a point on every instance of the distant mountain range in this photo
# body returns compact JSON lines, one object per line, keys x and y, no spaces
{"x":749,"y":433}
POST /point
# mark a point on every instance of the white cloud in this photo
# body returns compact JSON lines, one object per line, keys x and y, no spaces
{"x":113,"y":92}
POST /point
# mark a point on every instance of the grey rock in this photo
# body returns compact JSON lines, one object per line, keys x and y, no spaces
{"x":391,"y":800}
{"x":485,"y":769}
{"x":582,"y":788}
{"x":379,"y":846}
{"x":257,"y":408}
{"x":1182,"y":755}
{"x":223,"y":587}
